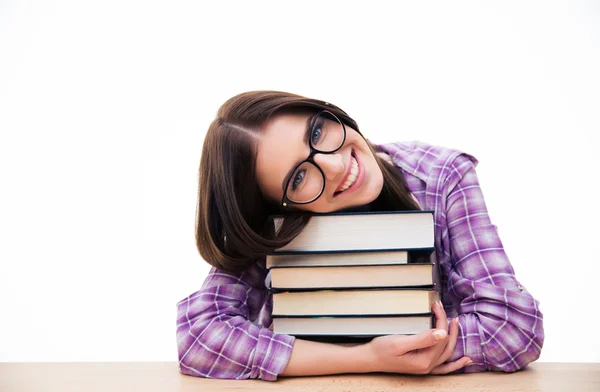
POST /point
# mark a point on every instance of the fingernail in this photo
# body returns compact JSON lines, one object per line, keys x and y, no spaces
{"x":439,"y":334}
{"x":469,"y":362}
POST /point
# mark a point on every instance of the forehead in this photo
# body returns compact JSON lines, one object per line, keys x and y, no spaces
{"x":279,"y":149}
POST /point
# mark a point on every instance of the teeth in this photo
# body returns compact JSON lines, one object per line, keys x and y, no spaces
{"x":352,"y":176}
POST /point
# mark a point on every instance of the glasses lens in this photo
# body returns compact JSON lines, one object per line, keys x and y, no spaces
{"x":327,"y":133}
{"x":305,"y":184}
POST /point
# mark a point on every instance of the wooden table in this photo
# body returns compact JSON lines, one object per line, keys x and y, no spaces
{"x":165,"y":377}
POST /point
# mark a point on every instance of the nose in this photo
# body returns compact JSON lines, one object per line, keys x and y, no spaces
{"x":331,"y":164}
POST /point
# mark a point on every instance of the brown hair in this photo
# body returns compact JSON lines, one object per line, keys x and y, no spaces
{"x":233,"y":225}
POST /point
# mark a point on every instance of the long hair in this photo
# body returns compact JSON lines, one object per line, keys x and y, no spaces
{"x":233,"y":225}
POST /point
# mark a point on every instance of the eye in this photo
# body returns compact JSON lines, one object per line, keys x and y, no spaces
{"x":298,"y":178}
{"x":316,"y":134}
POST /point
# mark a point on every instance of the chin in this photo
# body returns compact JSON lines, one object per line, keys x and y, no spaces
{"x":362,"y":203}
{"x":373,"y":191}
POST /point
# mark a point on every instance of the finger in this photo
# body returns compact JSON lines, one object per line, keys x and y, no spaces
{"x":441,"y":324}
{"x":451,"y":366}
{"x":450,"y":342}
{"x":441,"y":319}
{"x":424,"y":339}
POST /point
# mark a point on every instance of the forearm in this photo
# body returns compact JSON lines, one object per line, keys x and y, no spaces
{"x":500,"y":322}
{"x":315,"y":358}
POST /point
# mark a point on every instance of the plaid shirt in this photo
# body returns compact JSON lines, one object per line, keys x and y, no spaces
{"x":222,"y":329}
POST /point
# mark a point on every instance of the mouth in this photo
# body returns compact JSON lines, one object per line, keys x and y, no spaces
{"x":353,"y":176}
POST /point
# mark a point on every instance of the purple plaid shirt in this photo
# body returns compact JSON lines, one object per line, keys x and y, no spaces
{"x":222,"y":329}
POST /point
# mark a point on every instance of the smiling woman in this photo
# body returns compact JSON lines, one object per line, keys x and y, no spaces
{"x":270,"y":152}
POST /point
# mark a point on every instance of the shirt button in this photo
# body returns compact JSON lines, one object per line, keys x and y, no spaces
{"x":520,"y":288}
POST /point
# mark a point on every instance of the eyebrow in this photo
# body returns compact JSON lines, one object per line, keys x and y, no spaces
{"x":305,"y":139}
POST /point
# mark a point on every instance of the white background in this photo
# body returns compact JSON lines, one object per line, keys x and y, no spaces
{"x":104,"y":106}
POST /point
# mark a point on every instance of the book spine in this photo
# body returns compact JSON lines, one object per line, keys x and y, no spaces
{"x":361,"y":288}
{"x":342,"y":213}
{"x":358,"y":250}
{"x":340,"y":265}
{"x":370,"y":316}
{"x":278,"y":290}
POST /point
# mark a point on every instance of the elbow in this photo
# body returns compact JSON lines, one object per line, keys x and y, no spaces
{"x":516,"y":349}
{"x":191,"y":360}
{"x":200,"y":336}
{"x":204,"y":350}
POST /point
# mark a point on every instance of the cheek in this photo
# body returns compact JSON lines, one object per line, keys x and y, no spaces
{"x":375,"y":180}
{"x":379,"y":182}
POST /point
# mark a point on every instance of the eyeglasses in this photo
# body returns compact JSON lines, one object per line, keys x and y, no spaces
{"x":307,"y":182}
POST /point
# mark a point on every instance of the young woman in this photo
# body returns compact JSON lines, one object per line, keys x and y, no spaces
{"x":271,"y":152}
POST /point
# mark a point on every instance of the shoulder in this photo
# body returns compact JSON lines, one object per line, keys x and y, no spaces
{"x":430,"y":163}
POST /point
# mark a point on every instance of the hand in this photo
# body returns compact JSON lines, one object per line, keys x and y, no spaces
{"x":424,"y":353}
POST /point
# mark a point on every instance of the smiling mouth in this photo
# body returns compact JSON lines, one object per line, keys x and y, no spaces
{"x":351,"y":177}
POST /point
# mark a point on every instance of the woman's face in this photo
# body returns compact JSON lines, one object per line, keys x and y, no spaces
{"x":352,"y":176}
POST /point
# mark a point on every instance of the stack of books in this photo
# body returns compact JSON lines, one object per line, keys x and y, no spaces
{"x":356,"y":275}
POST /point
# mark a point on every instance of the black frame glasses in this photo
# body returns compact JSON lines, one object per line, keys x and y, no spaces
{"x":310,"y":159}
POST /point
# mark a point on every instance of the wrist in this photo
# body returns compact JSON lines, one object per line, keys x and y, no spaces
{"x":365,"y":359}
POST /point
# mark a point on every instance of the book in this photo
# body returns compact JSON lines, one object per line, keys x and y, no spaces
{"x":354,"y":302}
{"x":352,"y":276}
{"x":356,"y":275}
{"x":352,"y":326}
{"x":367,"y":231}
{"x":331,"y":259}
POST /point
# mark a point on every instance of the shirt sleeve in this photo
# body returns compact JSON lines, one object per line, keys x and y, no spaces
{"x":216,"y":337}
{"x":500,"y":323}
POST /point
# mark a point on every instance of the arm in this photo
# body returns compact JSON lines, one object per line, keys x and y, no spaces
{"x":423,"y":353}
{"x":216,"y":340}
{"x":500,"y":324}
{"x":215,"y":337}
{"x":314,"y":358}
